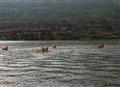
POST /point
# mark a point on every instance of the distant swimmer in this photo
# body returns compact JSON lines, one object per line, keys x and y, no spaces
{"x":2,"y":47}
{"x":99,"y":46}
{"x":54,"y":46}
{"x":46,"y":49}
{"x":43,"y":50}
{"x":5,"y":48}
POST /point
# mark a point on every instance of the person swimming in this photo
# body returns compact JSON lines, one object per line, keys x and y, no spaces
{"x":43,"y":50}
{"x":2,"y":47}
{"x":99,"y":46}
{"x":5,"y":48}
{"x":54,"y":46}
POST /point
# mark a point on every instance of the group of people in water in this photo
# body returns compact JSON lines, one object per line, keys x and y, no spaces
{"x":99,"y":46}
{"x":43,"y":50}
{"x":46,"y":49}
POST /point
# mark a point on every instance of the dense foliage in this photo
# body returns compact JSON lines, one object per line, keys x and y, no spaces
{"x":78,"y":17}
{"x":48,"y":11}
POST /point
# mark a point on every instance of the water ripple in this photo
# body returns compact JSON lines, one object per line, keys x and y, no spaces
{"x":70,"y":65}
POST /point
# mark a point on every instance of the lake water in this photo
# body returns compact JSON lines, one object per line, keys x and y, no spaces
{"x":72,"y":64}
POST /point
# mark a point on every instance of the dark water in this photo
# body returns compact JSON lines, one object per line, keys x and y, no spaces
{"x":72,"y":64}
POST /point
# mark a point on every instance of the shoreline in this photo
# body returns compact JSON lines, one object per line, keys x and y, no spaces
{"x":64,"y":40}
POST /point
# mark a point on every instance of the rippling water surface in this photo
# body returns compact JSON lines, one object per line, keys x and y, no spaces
{"x":72,"y":64}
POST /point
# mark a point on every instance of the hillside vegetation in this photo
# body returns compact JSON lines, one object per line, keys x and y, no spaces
{"x":76,"y":16}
